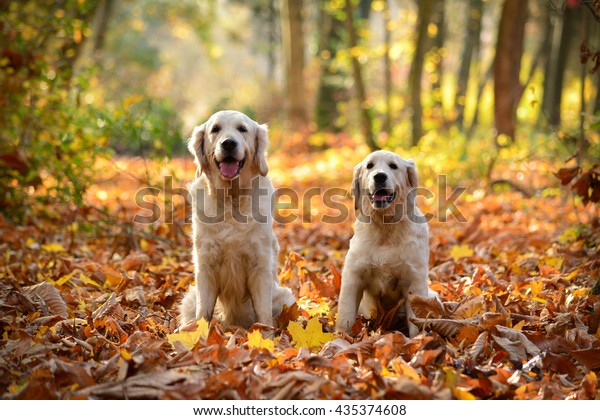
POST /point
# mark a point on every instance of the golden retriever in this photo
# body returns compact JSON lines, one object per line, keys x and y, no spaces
{"x":389,"y":252}
{"x":234,"y":247}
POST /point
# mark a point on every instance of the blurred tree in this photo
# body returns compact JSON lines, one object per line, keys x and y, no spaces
{"x":46,"y":131}
{"x":366,"y":117}
{"x":437,"y":30}
{"x":553,"y":96}
{"x":103,"y":16}
{"x":416,"y":70}
{"x":507,"y":66}
{"x":469,"y":57}
{"x":331,"y":90}
{"x":387,"y":69}
{"x":293,"y":52}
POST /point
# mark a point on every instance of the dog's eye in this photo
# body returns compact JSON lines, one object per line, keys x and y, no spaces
{"x":215,"y":129}
{"x":242,"y":129}
{"x":393,"y":166}
{"x":370,"y":165}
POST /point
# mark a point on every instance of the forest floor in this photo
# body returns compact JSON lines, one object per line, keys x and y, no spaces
{"x":88,"y":301}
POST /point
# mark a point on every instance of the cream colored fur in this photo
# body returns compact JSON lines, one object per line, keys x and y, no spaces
{"x":388,"y":255}
{"x":235,"y":261}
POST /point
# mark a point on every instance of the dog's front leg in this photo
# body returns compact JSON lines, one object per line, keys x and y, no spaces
{"x":350,"y":295}
{"x":261,"y":293}
{"x":412,"y":328}
{"x":206,"y":298}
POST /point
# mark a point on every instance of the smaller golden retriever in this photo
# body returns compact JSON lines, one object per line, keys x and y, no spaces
{"x":234,"y":247}
{"x":389,"y":252}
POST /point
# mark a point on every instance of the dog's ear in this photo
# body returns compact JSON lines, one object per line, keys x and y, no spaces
{"x":412,"y":176}
{"x":196,"y":148}
{"x":262,"y":144}
{"x":356,"y":185}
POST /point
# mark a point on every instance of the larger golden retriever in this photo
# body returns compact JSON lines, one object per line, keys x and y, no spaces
{"x":389,"y":252}
{"x":234,"y":247}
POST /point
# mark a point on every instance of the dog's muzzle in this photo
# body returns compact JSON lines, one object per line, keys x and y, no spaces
{"x":230,"y":164}
{"x":230,"y":167}
{"x":382,"y":197}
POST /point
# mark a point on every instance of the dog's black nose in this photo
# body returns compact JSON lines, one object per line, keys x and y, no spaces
{"x":229,"y":144}
{"x":380,"y":177}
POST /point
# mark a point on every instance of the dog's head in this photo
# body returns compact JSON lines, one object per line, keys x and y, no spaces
{"x":382,"y":179}
{"x":230,"y":144}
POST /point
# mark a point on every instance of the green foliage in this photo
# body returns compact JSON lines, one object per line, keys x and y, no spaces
{"x":47,"y":143}
{"x":56,"y":123}
{"x":142,"y":126}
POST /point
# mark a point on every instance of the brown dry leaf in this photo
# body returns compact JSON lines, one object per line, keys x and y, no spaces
{"x":470,"y":308}
{"x":45,"y":294}
{"x":516,"y":350}
{"x":136,"y":294}
{"x":427,"y":307}
{"x":479,"y":345}
{"x":134,"y":261}
{"x":590,"y":358}
{"x":518,"y":336}
{"x":449,"y":328}
{"x":106,"y":307}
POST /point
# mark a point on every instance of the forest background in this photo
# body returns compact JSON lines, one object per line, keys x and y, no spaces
{"x":497,"y":101}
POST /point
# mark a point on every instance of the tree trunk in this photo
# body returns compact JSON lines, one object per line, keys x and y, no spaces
{"x":366,"y":118}
{"x":484,"y":80}
{"x":272,"y":37}
{"x":331,"y":80}
{"x":581,"y":142}
{"x":293,"y":52}
{"x":569,"y":29}
{"x":470,"y":49}
{"x":416,"y":69}
{"x":552,"y":37}
{"x":507,"y":65}
{"x":387,"y":70}
{"x":439,"y":20}
{"x":103,"y":16}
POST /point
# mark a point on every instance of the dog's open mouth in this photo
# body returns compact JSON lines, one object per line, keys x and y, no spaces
{"x":230,"y":167}
{"x":382,"y":198}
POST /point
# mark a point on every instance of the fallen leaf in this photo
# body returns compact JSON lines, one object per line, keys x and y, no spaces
{"x":190,"y":338}
{"x":256,"y":340}
{"x":461,"y":251}
{"x":311,"y":337}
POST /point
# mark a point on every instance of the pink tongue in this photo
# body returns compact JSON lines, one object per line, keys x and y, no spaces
{"x":229,"y":169}
{"x":380,"y":197}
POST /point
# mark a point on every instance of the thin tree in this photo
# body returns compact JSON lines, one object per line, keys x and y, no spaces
{"x":416,"y":69}
{"x":293,"y":52}
{"x":439,"y":20}
{"x":571,"y":21}
{"x":366,"y":118}
{"x":507,"y":66}
{"x":470,"y":50}
{"x":387,"y":69}
{"x":331,"y":79}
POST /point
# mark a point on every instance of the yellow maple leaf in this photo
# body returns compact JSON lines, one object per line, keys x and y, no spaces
{"x":462,"y":394}
{"x":310,"y":337}
{"x":459,"y":251}
{"x":256,"y":340}
{"x":190,"y":338}
{"x":555,"y":262}
{"x":536,"y":288}
{"x":53,"y":247}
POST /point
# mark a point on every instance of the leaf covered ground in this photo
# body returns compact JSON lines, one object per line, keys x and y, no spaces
{"x":88,"y":303}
